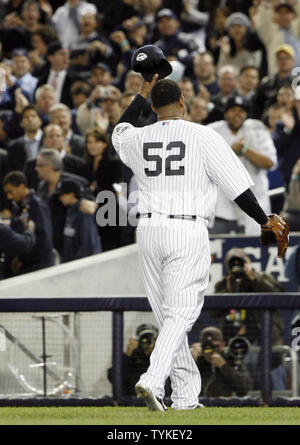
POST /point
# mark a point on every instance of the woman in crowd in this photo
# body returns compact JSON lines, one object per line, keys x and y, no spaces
{"x":102,"y":173}
{"x":241,"y":46}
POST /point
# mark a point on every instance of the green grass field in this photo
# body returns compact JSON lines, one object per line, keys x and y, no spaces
{"x":141,"y":416}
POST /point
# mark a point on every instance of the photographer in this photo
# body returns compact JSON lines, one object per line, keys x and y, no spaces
{"x":241,"y":277}
{"x":222,"y":374}
{"x":136,"y":359}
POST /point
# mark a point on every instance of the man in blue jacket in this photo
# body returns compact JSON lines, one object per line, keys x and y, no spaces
{"x":80,"y":238}
{"x":13,"y":244}
{"x":27,"y":205}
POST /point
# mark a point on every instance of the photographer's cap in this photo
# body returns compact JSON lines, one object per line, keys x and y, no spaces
{"x":211,"y":331}
{"x":146,"y":329}
{"x":235,"y":252}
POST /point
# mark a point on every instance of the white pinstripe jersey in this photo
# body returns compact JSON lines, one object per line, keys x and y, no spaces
{"x":179,"y":166}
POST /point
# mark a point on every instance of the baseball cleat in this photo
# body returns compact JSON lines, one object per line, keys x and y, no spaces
{"x":153,"y":403}
{"x":200,"y":405}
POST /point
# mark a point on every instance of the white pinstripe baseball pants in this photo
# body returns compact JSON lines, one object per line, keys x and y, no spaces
{"x":175,"y":261}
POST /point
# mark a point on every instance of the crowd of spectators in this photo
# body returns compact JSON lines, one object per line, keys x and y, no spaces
{"x":66,"y":78}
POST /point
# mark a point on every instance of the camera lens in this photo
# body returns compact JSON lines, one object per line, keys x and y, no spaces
{"x":236,"y":266}
{"x":238,"y":347}
{"x":146,"y":339}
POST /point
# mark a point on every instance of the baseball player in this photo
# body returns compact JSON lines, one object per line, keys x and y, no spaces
{"x":179,"y":167}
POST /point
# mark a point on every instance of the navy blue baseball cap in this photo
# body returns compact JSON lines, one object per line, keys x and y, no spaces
{"x":166,"y":12}
{"x":149,"y":60}
{"x":237,"y":101}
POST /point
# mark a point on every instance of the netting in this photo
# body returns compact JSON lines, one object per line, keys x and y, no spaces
{"x":94,"y":353}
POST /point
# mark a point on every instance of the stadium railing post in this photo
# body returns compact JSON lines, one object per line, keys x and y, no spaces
{"x":266,"y":357}
{"x":117,"y":344}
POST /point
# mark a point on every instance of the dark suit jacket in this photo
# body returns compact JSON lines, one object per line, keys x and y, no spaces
{"x":17,"y":154}
{"x":42,"y":254}
{"x":77,"y":144}
{"x":72,"y":164}
{"x":57,"y":210}
{"x":3,"y":171}
{"x":66,"y":97}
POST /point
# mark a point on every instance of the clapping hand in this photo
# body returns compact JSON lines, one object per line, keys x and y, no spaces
{"x":21,"y":101}
{"x":237,"y":146}
{"x":225,"y":45}
{"x":100,"y":119}
{"x":97,"y":46}
{"x":288,"y":119}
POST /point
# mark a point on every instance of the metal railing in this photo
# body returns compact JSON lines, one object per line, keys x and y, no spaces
{"x":264,"y":302}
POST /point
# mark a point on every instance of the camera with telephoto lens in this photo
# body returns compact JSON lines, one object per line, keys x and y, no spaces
{"x":207,"y":345}
{"x":238,"y":348}
{"x":236,"y":266}
{"x":145,"y":334}
{"x":146,"y":339}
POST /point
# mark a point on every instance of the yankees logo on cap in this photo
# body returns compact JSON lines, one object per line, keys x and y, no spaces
{"x":140,"y":57}
{"x":149,"y":60}
{"x":237,"y":101}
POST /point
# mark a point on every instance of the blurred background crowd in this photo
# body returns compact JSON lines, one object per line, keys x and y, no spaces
{"x":65,"y":79}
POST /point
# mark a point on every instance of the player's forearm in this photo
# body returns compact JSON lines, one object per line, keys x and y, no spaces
{"x":132,"y":113}
{"x":248,"y":203}
{"x":258,"y":159}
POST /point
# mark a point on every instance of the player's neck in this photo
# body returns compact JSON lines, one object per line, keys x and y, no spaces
{"x":174,"y":111}
{"x":169,"y":117}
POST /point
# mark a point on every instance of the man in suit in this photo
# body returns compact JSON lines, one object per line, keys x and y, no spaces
{"x":25,"y":148}
{"x":49,"y":167}
{"x":61,"y":115}
{"x":56,"y":74}
{"x":54,"y":138}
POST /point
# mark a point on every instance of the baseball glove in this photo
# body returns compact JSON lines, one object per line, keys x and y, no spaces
{"x":276,"y":231}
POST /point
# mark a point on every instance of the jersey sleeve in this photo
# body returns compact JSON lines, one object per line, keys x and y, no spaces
{"x":223,"y":166}
{"x":122,"y":140}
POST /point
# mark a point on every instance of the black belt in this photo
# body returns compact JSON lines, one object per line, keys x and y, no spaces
{"x":188,"y":217}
